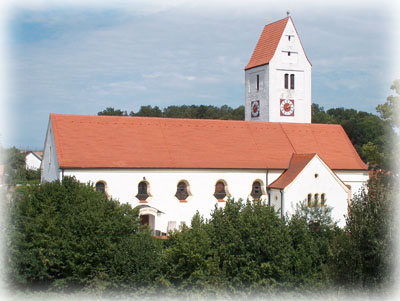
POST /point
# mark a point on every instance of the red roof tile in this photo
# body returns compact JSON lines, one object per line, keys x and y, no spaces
{"x":145,"y":142}
{"x":267,"y":43}
{"x":297,"y":164}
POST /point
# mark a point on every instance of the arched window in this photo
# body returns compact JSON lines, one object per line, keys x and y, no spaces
{"x":309,"y":200}
{"x":316,"y":199}
{"x":256,"y":191}
{"x":220,"y":192}
{"x":142,"y":191}
{"x":292,"y":81}
{"x":101,"y":186}
{"x":286,"y":83}
{"x":181,"y":191}
{"x":323,"y":199}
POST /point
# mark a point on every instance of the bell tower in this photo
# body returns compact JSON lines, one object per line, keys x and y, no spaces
{"x":278,"y":77}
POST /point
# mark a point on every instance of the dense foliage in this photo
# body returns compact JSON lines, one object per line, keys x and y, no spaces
{"x":184,"y":111}
{"x":15,"y":167}
{"x":65,"y":235}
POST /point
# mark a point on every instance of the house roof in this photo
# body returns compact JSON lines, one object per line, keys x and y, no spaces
{"x":36,"y":154}
{"x":148,"y":142}
{"x":268,"y":42}
{"x":297,"y":164}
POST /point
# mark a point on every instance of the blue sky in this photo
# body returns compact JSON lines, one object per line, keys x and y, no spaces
{"x":76,"y":58}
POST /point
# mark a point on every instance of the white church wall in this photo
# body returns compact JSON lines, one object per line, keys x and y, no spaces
{"x":283,"y":62}
{"x":123,"y":185}
{"x":49,"y":167}
{"x":316,"y":178}
{"x":357,"y":179}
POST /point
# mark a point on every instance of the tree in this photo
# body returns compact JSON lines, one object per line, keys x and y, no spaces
{"x":66,"y":234}
{"x":112,"y":112}
{"x":364,"y":255}
{"x":15,"y":168}
{"x":390,"y":110}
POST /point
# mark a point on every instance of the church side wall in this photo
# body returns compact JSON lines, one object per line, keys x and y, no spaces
{"x":50,"y":168}
{"x":357,"y":179}
{"x":123,"y":185}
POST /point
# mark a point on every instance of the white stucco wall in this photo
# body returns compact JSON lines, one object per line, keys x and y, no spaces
{"x":49,"y":167}
{"x":252,"y":94}
{"x":123,"y":185}
{"x":32,"y":162}
{"x":357,"y":179}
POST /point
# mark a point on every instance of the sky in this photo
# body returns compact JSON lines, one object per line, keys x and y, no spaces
{"x":81,"y":57}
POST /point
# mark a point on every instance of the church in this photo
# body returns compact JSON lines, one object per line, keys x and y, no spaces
{"x":171,"y":168}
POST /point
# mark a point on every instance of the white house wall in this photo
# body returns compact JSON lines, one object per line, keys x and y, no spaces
{"x":50,"y":168}
{"x":32,"y":162}
{"x":123,"y":185}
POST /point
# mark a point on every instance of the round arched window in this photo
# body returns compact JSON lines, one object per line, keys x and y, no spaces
{"x":256,"y":191}
{"x":142,"y":191}
{"x":100,"y":186}
{"x":220,"y":192}
{"x":181,"y":191}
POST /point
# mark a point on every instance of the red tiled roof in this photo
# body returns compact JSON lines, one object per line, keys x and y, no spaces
{"x":145,"y":142}
{"x":267,"y":43}
{"x":297,"y":164}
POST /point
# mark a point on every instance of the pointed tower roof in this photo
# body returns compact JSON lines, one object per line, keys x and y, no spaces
{"x":267,"y":43}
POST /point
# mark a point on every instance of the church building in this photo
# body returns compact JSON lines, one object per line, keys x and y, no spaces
{"x":170,"y":168}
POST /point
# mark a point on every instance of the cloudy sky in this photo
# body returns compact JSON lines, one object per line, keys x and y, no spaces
{"x":81,"y":58}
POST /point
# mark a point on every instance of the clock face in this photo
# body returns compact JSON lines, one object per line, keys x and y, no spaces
{"x":287,"y":107}
{"x":255,"y":108}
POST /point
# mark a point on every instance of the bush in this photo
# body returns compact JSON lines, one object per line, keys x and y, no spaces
{"x":67,"y":235}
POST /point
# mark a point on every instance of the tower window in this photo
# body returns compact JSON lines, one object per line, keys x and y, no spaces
{"x":292,"y":81}
{"x":220,"y":192}
{"x":286,"y":82}
{"x":258,"y":82}
{"x":181,"y":191}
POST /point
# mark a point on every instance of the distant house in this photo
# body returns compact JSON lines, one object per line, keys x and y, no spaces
{"x":33,"y":160}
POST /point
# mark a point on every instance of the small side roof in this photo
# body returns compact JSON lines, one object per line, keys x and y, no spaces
{"x":297,"y":164}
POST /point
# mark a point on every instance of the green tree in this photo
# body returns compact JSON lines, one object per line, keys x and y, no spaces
{"x":390,"y":110}
{"x":15,"y":168}
{"x":364,"y":255}
{"x":69,"y":235}
{"x":148,"y":111}
{"x":112,"y":112}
